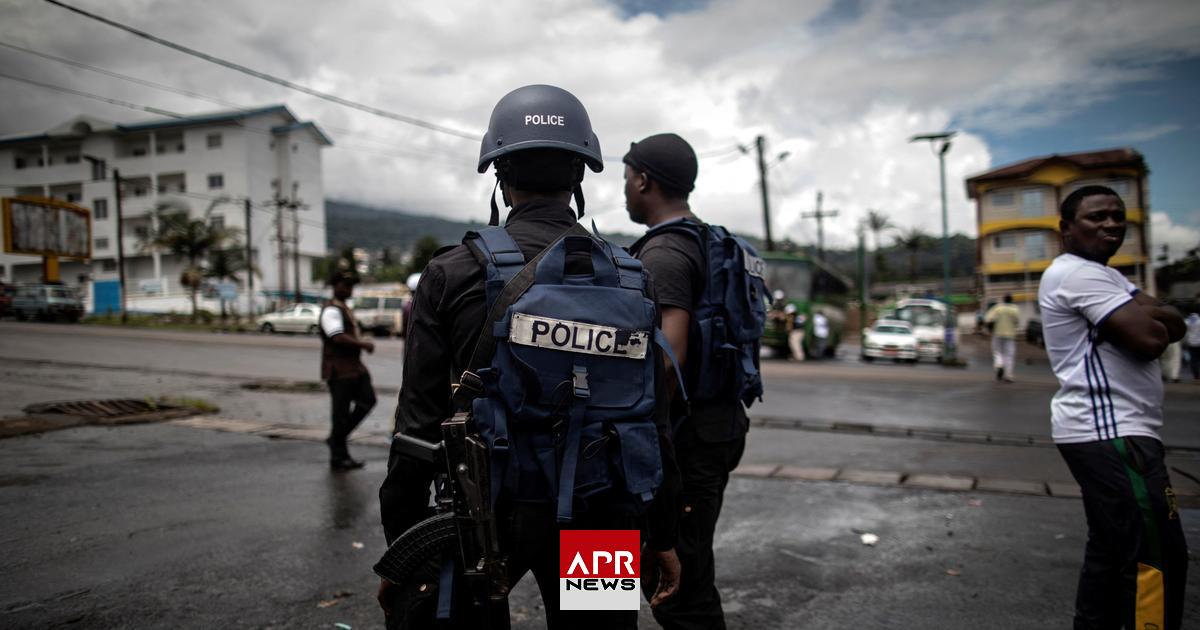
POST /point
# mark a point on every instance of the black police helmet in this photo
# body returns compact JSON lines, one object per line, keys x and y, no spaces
{"x":540,"y":116}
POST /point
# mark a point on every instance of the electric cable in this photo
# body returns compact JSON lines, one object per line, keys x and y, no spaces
{"x":271,"y":78}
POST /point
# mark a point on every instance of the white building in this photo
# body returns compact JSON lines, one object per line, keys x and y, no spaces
{"x":208,"y":164}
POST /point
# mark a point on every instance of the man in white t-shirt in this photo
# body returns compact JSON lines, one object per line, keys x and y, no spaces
{"x":343,"y":371}
{"x":1104,"y":338}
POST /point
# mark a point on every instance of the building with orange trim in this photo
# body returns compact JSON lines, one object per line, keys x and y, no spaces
{"x":1017,"y":219}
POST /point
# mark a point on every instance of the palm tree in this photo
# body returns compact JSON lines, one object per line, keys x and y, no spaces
{"x":878,"y":222}
{"x":226,"y":264}
{"x":172,"y":229}
{"x":912,"y":239}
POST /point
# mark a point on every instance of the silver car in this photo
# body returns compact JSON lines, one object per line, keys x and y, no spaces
{"x":300,"y":318}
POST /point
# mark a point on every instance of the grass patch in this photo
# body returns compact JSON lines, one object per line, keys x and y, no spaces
{"x":199,"y":404}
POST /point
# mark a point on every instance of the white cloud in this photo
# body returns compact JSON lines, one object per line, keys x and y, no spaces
{"x":1144,"y":133}
{"x":1179,"y":239}
{"x":842,"y":95}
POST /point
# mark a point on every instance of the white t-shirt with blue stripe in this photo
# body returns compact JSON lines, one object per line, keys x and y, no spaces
{"x":1104,"y":392}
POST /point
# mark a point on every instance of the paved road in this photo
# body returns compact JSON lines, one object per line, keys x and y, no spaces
{"x":163,"y":526}
{"x":840,"y":390}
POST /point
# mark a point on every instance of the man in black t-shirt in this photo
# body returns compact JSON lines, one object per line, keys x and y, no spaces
{"x":660,"y":172}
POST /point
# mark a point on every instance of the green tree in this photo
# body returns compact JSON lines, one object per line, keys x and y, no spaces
{"x":422,"y":252}
{"x":878,"y":223}
{"x":226,"y":264}
{"x":172,"y":229}
{"x":913,"y":240}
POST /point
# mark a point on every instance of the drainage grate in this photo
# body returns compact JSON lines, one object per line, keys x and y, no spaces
{"x":102,"y":409}
{"x":53,"y":416}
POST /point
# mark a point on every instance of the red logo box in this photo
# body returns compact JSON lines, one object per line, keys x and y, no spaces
{"x":599,"y":569}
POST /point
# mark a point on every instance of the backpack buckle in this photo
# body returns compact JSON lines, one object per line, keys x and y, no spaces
{"x":471,"y":381}
{"x":581,"y":383}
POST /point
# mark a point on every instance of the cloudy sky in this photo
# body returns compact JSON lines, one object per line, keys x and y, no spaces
{"x":840,"y":85}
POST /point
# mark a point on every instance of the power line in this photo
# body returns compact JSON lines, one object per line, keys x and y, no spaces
{"x":271,"y":78}
{"x":125,"y":77}
{"x":113,"y":101}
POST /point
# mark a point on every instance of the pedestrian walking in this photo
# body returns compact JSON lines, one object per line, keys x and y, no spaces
{"x":577,"y":423}
{"x":1191,"y":344}
{"x":1104,"y":337}
{"x":709,"y":285}
{"x":1002,"y":321}
{"x":342,"y":369}
{"x":820,"y":334}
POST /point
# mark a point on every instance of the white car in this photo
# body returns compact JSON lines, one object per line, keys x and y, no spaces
{"x":889,"y":339}
{"x":302,"y":318}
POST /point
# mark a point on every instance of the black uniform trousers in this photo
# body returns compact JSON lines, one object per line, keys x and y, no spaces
{"x":529,"y":538}
{"x":352,"y":399}
{"x":1135,"y":563}
{"x":705,"y":467}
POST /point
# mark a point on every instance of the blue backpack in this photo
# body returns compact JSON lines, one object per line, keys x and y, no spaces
{"x":727,"y":324}
{"x":566,"y":404}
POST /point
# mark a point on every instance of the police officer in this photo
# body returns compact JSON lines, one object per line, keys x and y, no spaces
{"x":343,"y":370}
{"x":660,"y":172}
{"x":539,"y":140}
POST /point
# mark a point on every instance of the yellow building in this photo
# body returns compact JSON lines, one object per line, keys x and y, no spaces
{"x":1017,"y":218}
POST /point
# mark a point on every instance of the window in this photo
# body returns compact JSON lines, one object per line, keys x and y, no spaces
{"x":213,"y":140}
{"x":140,"y":190}
{"x":73,"y":197}
{"x":72,"y":158}
{"x":1032,"y":204}
{"x":102,"y":243}
{"x":217,"y":222}
{"x":216,"y":181}
{"x":108,"y":264}
{"x":141,"y":231}
{"x":1004,"y":241}
{"x":1035,"y":246}
{"x":138,"y":152}
{"x":99,"y":209}
{"x":1003,"y":198}
{"x":19,"y":163}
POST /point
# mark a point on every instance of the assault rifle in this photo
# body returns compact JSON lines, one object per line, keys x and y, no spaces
{"x":463,"y":516}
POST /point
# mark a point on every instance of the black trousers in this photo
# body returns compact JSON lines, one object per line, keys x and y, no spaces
{"x":529,"y":538}
{"x":1135,"y":562}
{"x":352,"y":399}
{"x":705,"y":467}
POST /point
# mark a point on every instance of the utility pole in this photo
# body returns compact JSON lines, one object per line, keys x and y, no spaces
{"x":295,"y":206}
{"x":820,"y":217}
{"x":120,"y":244}
{"x":941,"y":143}
{"x":862,"y":276}
{"x":759,"y":143}
{"x":249,"y":262}
{"x":279,"y":248}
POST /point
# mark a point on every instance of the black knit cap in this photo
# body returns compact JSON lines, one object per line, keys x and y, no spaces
{"x":667,"y":158}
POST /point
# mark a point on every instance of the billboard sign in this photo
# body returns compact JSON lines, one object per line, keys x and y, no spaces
{"x":46,"y":227}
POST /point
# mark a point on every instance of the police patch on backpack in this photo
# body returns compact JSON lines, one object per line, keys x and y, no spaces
{"x":568,"y":401}
{"x":569,"y":336}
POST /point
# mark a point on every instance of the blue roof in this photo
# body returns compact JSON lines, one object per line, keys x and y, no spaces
{"x":201,"y":119}
{"x":303,"y":125}
{"x":188,"y":121}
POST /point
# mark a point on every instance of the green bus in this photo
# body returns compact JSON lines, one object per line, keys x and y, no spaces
{"x":802,"y":286}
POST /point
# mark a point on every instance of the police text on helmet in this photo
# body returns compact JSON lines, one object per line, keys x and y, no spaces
{"x":558,"y":120}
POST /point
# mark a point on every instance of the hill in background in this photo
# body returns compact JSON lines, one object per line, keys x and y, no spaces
{"x":377,"y":228}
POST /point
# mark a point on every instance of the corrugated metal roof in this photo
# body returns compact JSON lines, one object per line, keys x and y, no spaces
{"x":1111,"y":158}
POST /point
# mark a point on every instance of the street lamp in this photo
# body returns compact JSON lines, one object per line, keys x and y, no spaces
{"x":940,"y":142}
{"x":99,"y":168}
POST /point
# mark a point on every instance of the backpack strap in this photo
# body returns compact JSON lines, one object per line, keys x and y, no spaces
{"x":500,"y":256}
{"x":469,"y":384}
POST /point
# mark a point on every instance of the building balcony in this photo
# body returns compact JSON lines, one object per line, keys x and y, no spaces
{"x":1048,"y":222}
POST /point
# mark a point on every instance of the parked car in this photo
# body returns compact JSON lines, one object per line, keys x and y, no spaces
{"x":46,"y":302}
{"x":889,"y":339}
{"x":302,"y":318}
{"x":6,"y":296}
{"x":379,"y":314}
